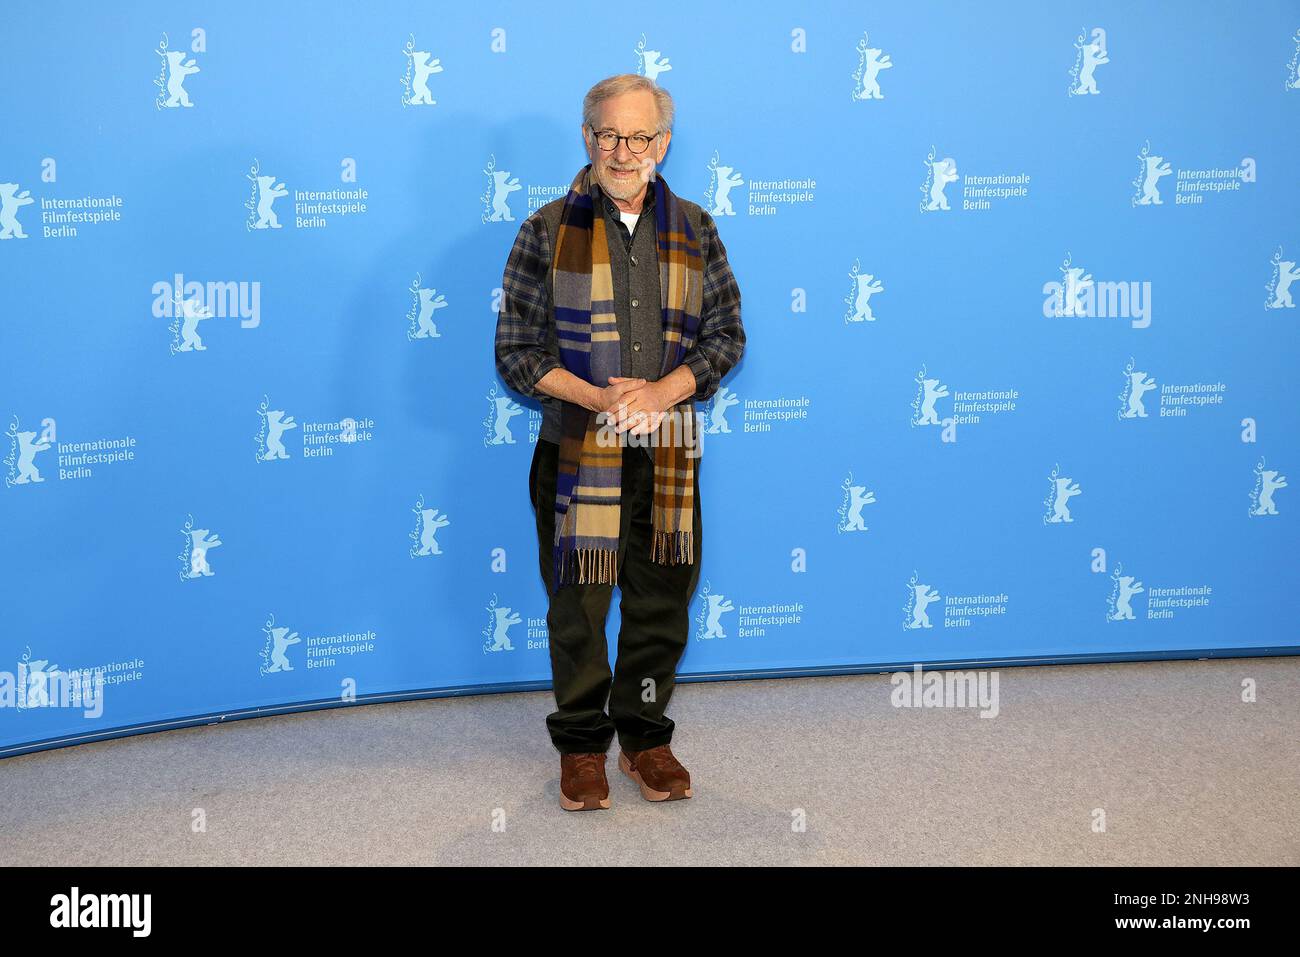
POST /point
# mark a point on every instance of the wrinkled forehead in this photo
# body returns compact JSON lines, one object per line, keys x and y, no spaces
{"x":628,"y":113}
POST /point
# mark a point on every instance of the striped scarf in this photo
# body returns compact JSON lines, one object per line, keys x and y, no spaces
{"x":589,"y":480}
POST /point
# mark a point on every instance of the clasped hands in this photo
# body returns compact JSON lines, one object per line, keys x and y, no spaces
{"x":636,"y":406}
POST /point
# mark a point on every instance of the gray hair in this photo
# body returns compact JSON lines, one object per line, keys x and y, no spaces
{"x":628,"y":83}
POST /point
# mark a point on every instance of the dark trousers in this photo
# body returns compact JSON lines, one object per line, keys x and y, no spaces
{"x":655,"y":629}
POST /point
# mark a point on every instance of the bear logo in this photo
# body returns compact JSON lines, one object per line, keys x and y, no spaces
{"x":728,"y":179}
{"x":1156,"y":167}
{"x":26,"y":464}
{"x":723,"y":399}
{"x":1270,"y":480}
{"x":503,"y":184}
{"x":942,"y":172}
{"x":36,"y":694}
{"x":867,"y":286}
{"x":858,"y":497}
{"x":653,"y":62}
{"x":872,"y":64}
{"x":504,"y":618}
{"x":192,"y":313}
{"x":281,"y":639}
{"x":429,"y":302}
{"x":717,"y":604}
{"x":506,"y":409}
{"x":10,"y":202}
{"x":1093,"y":57}
{"x":277,"y":424}
{"x":178,"y":68}
{"x":931,"y":391}
{"x":1139,"y":385}
{"x":1065,"y":490}
{"x":1077,"y":285}
{"x":424,"y":65}
{"x":431,"y":520}
{"x":1287,"y":273}
{"x":1128,"y":587}
{"x":201,"y":539}
{"x":922,"y":597}
{"x":268,"y":191}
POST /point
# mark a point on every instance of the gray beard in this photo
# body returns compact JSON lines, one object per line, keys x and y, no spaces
{"x":618,"y":190}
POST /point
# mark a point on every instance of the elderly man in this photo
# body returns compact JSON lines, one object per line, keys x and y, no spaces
{"x":619,"y":312}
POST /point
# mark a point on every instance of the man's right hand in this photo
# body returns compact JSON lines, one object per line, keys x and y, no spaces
{"x":611,"y":397}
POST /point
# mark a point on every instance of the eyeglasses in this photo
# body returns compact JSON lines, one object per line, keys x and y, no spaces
{"x":607,"y":140}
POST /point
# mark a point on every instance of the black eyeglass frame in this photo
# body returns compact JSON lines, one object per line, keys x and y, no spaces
{"x":596,"y":135}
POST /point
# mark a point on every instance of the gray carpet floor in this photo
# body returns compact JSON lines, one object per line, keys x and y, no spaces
{"x":1184,"y":772}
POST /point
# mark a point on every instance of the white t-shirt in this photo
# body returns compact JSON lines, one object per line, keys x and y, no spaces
{"x":629,"y":220}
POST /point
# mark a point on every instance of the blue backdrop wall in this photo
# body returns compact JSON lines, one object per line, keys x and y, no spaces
{"x":1018,"y":281}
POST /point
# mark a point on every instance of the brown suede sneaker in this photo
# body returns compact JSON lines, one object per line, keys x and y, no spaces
{"x":583,"y":786}
{"x":658,"y":774}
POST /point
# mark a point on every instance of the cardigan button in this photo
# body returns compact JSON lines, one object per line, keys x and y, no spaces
{"x":636,"y":302}
{"x":633,"y":260}
{"x":636,"y":347}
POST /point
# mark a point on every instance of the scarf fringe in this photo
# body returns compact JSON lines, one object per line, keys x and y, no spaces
{"x":589,"y":566}
{"x":673,"y":547}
